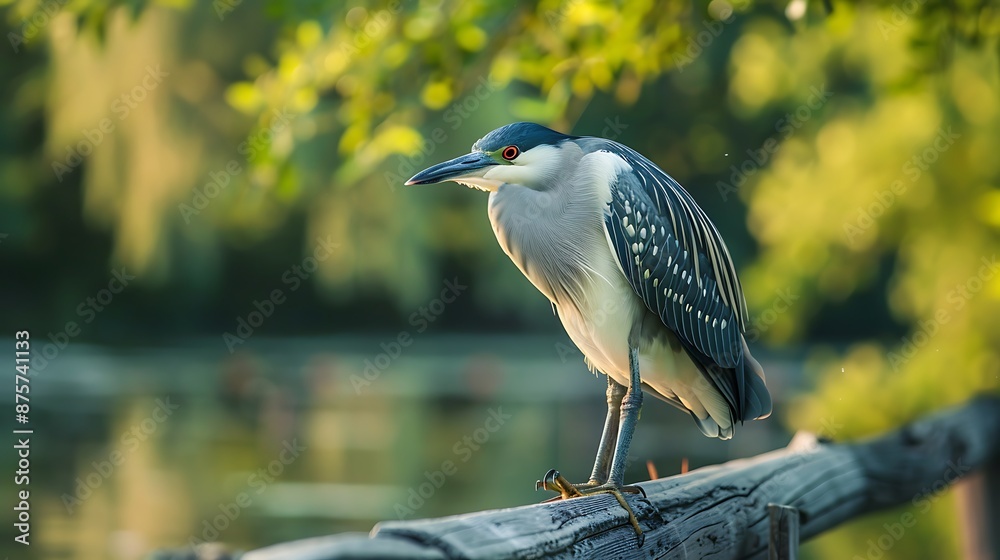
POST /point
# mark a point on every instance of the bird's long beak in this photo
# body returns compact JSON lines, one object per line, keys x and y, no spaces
{"x":469,"y":165}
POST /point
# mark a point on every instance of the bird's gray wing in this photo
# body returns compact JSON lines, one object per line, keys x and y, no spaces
{"x":677,"y":262}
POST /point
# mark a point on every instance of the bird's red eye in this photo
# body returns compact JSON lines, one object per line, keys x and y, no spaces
{"x":510,"y":152}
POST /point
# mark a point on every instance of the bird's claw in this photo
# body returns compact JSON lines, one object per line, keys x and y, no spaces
{"x":548,"y":479}
{"x":553,"y":480}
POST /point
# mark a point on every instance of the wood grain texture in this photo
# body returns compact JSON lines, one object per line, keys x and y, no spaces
{"x":718,"y":512}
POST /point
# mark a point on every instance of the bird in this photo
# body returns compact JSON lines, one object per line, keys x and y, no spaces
{"x":637,"y":273}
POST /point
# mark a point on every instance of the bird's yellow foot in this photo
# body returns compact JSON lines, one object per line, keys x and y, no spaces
{"x":555,"y":482}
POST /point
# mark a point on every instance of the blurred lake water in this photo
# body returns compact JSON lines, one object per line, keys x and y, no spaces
{"x":139,"y":449}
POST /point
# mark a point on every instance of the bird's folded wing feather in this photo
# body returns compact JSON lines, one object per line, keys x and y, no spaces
{"x":675,"y":259}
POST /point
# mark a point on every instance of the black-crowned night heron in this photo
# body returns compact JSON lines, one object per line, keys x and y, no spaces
{"x":637,"y":273}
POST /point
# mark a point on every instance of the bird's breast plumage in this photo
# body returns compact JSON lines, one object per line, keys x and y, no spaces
{"x":556,"y":237}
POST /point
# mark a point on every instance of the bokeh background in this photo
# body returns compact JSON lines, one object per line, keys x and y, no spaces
{"x":245,"y":329}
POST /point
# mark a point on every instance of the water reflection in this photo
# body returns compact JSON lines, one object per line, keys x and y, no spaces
{"x":140,"y":449}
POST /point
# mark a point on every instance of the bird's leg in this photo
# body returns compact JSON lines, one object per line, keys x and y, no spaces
{"x":602,"y":464}
{"x":629,"y":416}
{"x":631,"y":405}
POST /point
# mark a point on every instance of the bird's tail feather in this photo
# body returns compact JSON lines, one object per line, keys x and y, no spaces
{"x":721,"y":397}
{"x":757,"y":402}
{"x":711,"y":428}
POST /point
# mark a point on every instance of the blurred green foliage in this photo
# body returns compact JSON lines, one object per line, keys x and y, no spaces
{"x":200,"y":145}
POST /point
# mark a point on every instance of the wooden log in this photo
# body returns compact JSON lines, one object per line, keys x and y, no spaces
{"x":717,"y":512}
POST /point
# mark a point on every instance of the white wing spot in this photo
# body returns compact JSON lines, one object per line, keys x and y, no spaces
{"x":631,"y":231}
{"x":654,"y":250}
{"x":642,"y":233}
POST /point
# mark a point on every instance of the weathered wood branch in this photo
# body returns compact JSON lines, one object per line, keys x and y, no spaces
{"x":717,"y":512}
